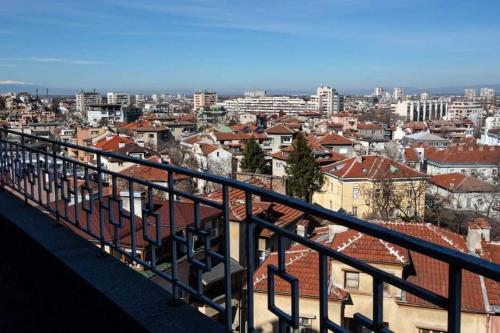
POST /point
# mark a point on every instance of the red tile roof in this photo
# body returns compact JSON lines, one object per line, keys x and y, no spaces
{"x":192,"y":140}
{"x":457,"y":182}
{"x":150,"y":174}
{"x":371,"y":167}
{"x":279,"y":130}
{"x":430,"y":273}
{"x":276,"y":213}
{"x":411,"y":155}
{"x":333,"y":139}
{"x":491,"y":252}
{"x":207,"y":148}
{"x":303,"y":264}
{"x":184,"y":216}
{"x":469,"y":155}
{"x":113,"y":143}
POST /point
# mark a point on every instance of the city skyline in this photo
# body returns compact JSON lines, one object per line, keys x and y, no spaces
{"x":232,"y":47}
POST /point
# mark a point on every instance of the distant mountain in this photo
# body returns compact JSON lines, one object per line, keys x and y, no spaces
{"x":17,"y":87}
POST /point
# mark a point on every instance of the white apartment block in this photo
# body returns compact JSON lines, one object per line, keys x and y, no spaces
{"x":104,"y":114}
{"x":422,"y":110}
{"x":139,"y":99}
{"x":470,"y":93}
{"x":487,"y":92}
{"x":492,"y":122}
{"x":86,"y":98}
{"x":398,"y":93}
{"x":267,"y":105}
{"x":459,"y":110}
{"x":204,"y":99}
{"x":379,"y":91}
{"x":118,"y":98}
{"x":327,"y":100}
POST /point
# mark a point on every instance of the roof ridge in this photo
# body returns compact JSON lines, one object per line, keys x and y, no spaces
{"x":393,"y":251}
{"x":350,"y":241}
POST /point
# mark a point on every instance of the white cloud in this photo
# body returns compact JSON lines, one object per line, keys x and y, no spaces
{"x":58,"y":60}
{"x":12,"y":82}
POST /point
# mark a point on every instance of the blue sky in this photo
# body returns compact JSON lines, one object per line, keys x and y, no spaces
{"x":233,"y":45}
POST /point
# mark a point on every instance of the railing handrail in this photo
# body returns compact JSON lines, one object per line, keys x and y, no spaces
{"x":471,"y":263}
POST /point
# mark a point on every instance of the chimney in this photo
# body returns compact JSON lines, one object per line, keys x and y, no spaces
{"x":478,"y":229}
{"x":481,"y":148}
{"x":137,"y":197}
{"x":334,"y":229}
{"x":301,"y":230}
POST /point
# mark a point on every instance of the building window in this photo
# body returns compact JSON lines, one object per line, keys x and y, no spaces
{"x":355,"y":192}
{"x":426,"y":330}
{"x":469,"y":202}
{"x":351,"y":280}
{"x":354,"y":210}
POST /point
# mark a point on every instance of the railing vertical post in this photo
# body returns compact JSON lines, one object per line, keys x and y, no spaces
{"x":56,"y":186}
{"x":378,"y":304}
{"x":227,"y":260}
{"x":171,"y":215}
{"x":133,"y":228}
{"x":323,"y":292}
{"x":100,"y":196}
{"x":454,"y":298}
{"x":25,"y":169}
{"x":2,"y":168}
{"x":250,"y":253}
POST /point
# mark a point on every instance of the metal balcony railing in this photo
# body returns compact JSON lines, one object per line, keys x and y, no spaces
{"x":51,"y":180}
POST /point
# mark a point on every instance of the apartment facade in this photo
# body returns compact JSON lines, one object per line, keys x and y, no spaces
{"x":422,"y":110}
{"x":118,"y":98}
{"x":463,"y":109}
{"x":204,"y":99}
{"x":86,"y":98}
{"x":353,"y":185}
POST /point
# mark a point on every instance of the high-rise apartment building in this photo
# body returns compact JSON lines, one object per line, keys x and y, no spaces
{"x":118,"y":98}
{"x":139,"y":99}
{"x":487,"y":92}
{"x":86,"y":98}
{"x":328,"y":100}
{"x":470,"y":93}
{"x":379,"y":92}
{"x":204,"y":99}
{"x":398,"y":93}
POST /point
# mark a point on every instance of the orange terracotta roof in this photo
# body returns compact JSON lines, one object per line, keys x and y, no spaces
{"x":302,"y":264}
{"x":457,"y":182}
{"x":113,"y":143}
{"x":470,"y":155}
{"x":491,"y":252}
{"x":333,"y":139}
{"x":207,"y":148}
{"x":150,"y":174}
{"x":279,"y":130}
{"x":371,"y":167}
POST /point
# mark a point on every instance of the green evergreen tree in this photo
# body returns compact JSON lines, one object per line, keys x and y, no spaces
{"x":254,"y":160}
{"x":304,"y":176}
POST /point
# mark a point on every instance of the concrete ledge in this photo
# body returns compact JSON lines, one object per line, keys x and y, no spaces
{"x":78,"y":290}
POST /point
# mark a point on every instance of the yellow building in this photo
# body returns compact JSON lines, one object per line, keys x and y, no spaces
{"x":373,"y":187}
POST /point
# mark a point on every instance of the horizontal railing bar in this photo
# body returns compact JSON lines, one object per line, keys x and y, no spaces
{"x":468,"y":262}
{"x":360,"y":265}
